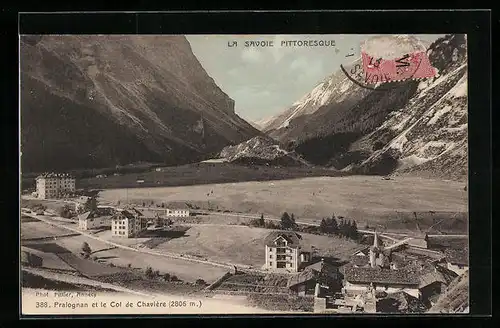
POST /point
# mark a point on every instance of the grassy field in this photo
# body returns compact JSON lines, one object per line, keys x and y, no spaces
{"x":50,"y":260}
{"x":30,"y":280}
{"x":187,"y":271}
{"x":363,"y":198}
{"x":35,"y":230}
{"x":245,"y":245}
{"x":50,"y":204}
{"x":203,"y":173}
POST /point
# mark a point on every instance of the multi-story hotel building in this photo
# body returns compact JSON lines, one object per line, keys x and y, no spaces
{"x":126,"y":224}
{"x":284,"y":252}
{"x":54,"y":185}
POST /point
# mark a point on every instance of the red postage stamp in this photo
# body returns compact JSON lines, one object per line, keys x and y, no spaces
{"x":405,"y":61}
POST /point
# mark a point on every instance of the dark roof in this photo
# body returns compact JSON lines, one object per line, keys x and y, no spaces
{"x":431,"y":254}
{"x":301,"y":277}
{"x":407,"y":303}
{"x":83,"y":199}
{"x":322,"y":267}
{"x":400,"y":259}
{"x":291,"y":237}
{"x":314,"y":271}
{"x":436,"y":274}
{"x":54,"y":175}
{"x":123,"y":213}
{"x":381,"y":276}
{"x":85,"y":215}
{"x":455,"y":256}
{"x":365,"y":250}
{"x":360,"y":260}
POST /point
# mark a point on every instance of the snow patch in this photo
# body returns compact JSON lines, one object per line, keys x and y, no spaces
{"x":455,"y":129}
{"x":438,"y":114}
{"x":344,"y":86}
{"x":399,"y":143}
{"x":412,"y":161}
{"x":401,"y":124}
{"x":460,"y":90}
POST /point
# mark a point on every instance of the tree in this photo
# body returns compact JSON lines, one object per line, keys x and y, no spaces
{"x":158,"y":220}
{"x":261,"y":221}
{"x":323,"y":226}
{"x":354,"y":230}
{"x":200,"y":282}
{"x":149,"y":273}
{"x":86,"y":250}
{"x":334,"y":226}
{"x":287,"y":221}
{"x":66,"y":211}
{"x":343,"y":227}
{"x":329,"y":225}
{"x":91,"y":204}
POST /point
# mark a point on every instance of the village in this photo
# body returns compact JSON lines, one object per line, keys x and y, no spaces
{"x":377,"y":272}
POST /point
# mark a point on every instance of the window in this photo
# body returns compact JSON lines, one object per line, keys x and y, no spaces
{"x":270,"y":263}
{"x":270,"y":256}
{"x":280,"y":264}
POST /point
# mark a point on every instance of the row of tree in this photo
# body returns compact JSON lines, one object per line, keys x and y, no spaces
{"x":343,"y":227}
{"x":336,"y":226}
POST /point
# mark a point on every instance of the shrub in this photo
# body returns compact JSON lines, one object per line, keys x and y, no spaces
{"x":149,"y":273}
{"x":201,"y":282}
{"x":166,"y":277}
{"x":129,"y":265}
{"x":174,"y":278}
{"x":86,"y":249}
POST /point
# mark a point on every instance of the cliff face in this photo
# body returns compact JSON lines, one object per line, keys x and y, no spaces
{"x":95,"y":101}
{"x":415,"y":127}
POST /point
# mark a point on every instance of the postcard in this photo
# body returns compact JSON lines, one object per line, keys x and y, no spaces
{"x":244,"y":174}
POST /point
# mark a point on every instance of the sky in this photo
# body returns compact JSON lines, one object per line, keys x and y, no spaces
{"x":264,"y":81}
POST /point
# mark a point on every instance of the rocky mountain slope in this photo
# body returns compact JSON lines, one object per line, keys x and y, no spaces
{"x":413,"y":127}
{"x":99,"y":101}
{"x":261,"y":150}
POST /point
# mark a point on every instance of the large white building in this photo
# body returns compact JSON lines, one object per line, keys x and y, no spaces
{"x":54,"y":185}
{"x":92,"y":220}
{"x":126,"y":224}
{"x":284,"y":252}
{"x":172,"y":213}
{"x":179,"y":213}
